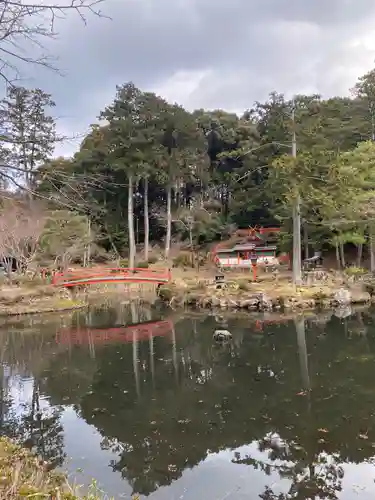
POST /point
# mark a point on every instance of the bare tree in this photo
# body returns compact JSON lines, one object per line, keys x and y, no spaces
{"x":26,"y":25}
{"x":21,"y":227}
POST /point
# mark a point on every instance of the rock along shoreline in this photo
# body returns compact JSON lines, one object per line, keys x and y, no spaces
{"x":275,"y":300}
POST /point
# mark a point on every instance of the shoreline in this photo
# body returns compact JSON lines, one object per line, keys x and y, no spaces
{"x":38,"y":309}
{"x":36,"y":299}
{"x":239,"y":294}
{"x":22,"y":300}
{"x":199,"y":292}
{"x":24,"y":475}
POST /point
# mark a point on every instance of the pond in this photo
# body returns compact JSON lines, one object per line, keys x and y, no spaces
{"x":283,"y":410}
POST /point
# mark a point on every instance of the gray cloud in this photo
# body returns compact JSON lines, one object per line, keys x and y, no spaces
{"x":210,"y":53}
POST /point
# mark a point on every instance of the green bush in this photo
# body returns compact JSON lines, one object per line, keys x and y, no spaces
{"x":142,"y":265}
{"x":124,"y":263}
{"x":370,"y":288}
{"x":355,"y":271}
{"x":320,"y":297}
{"x":243,"y":285}
{"x":153,"y":259}
{"x":183,"y":259}
{"x":165,"y":293}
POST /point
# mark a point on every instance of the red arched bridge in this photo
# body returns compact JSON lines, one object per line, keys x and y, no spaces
{"x":80,"y":277}
{"x":87,"y":335}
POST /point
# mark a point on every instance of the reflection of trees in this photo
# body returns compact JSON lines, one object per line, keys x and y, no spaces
{"x":163,"y":404}
{"x":41,"y":429}
{"x":312,"y":474}
{"x":231,"y":395}
{"x":25,"y":349}
{"x":174,"y":426}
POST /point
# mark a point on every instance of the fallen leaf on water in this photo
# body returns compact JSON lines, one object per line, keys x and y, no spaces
{"x":302,"y":393}
{"x":362,"y":436}
{"x":323,"y":430}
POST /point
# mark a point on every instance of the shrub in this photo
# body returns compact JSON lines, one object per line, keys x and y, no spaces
{"x":165,"y":293}
{"x":355,"y":271}
{"x":370,"y":288}
{"x":153,"y":259}
{"x":27,"y":280}
{"x":124,"y":263}
{"x":142,"y":265}
{"x":243,"y":285}
{"x":319,"y":297}
{"x":183,"y":259}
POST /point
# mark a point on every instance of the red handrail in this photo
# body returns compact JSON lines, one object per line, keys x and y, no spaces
{"x":87,"y":335}
{"x":76,"y":274}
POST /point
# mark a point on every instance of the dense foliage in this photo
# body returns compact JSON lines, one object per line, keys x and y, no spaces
{"x":154,"y":173}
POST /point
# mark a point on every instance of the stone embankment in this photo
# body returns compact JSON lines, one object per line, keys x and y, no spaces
{"x":265,"y":297}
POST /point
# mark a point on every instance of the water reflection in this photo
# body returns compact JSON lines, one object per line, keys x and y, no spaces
{"x":284,"y":410}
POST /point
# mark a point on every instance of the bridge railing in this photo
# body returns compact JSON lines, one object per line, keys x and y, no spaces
{"x":141,"y":331}
{"x":60,"y":278}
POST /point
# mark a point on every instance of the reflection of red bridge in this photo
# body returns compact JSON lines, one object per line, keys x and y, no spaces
{"x":77,"y":277}
{"x":261,"y":323}
{"x":122,"y":334}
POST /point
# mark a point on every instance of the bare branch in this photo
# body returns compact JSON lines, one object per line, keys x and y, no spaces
{"x":25,"y":26}
{"x":21,"y":226}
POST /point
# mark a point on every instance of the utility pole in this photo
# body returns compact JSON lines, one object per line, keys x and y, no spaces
{"x":297,"y":273}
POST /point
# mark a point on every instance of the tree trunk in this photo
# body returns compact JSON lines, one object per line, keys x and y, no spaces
{"x":359,"y":254}
{"x":136,"y":362}
{"x":89,"y":243}
{"x":297,"y":272}
{"x":306,"y":240}
{"x":342,"y":255}
{"x":132,"y":248}
{"x":146,"y":218}
{"x":169,"y":221}
{"x":302,"y":351}
{"x":177,"y":193}
{"x":338,"y":256}
{"x":372,"y":253}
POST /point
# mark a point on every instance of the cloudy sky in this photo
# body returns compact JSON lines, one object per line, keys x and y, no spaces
{"x":209,"y":53}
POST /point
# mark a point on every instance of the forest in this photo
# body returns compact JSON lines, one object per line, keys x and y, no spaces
{"x":151,"y":174}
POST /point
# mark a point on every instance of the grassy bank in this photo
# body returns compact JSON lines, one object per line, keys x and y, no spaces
{"x":33,"y":298}
{"x":23,"y":476}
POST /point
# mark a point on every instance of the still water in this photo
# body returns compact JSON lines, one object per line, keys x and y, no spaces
{"x":284,"y":410}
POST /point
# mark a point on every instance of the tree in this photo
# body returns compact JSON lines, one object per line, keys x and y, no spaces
{"x":30,"y":133}
{"x":182,"y":147}
{"x":152,"y":111}
{"x":134,"y":138}
{"x":229,"y":141}
{"x":25,"y":26}
{"x":324,"y":185}
{"x":65,"y":237}
{"x":123,"y":137}
{"x":357,"y":217}
{"x":22,"y":223}
{"x":152,"y":161}
{"x":365,"y":90}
